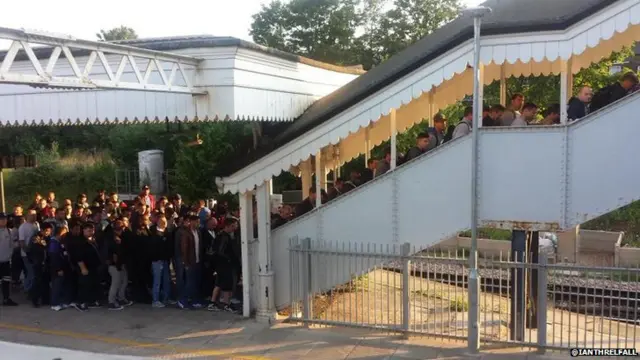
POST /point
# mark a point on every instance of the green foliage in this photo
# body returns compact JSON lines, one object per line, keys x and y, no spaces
{"x":323,"y":30}
{"x":489,"y":233}
{"x":459,"y":305}
{"x":198,"y":166}
{"x":67,"y":176}
{"x":348,"y":32}
{"x":625,"y":219}
{"x":118,"y":33}
{"x":409,"y":21}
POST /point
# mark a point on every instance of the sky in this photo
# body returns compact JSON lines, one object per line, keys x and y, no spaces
{"x":83,"y":19}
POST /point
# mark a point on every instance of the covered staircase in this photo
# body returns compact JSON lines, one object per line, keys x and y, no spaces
{"x":544,"y":178}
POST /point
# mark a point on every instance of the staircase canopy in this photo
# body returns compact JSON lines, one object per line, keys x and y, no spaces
{"x":517,"y":39}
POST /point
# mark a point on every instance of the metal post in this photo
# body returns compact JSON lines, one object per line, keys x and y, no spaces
{"x":266,"y":309}
{"x":533,"y":249}
{"x":503,"y":86}
{"x":564,"y":92}
{"x":319,"y":174}
{"x":2,"y":190}
{"x":307,"y":311}
{"x":406,"y":273}
{"x":474,"y":279}
{"x":367,"y":146}
{"x":393,"y":143}
{"x":246,"y":235}
{"x":516,"y":289}
{"x":541,"y":315}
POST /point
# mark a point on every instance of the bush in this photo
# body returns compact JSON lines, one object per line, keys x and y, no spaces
{"x":489,"y":233}
{"x":67,"y":177}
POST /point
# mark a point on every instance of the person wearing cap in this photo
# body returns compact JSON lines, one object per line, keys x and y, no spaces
{"x":8,"y":238}
{"x":100,"y":199}
{"x":437,"y":132}
{"x":147,"y":198}
{"x":178,"y":206}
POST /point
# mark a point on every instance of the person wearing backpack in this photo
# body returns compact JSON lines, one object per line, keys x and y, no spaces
{"x":614,"y":92}
{"x":437,"y":135}
{"x":465,"y":126}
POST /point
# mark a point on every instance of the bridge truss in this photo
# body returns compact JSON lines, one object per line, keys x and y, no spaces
{"x":153,"y":70}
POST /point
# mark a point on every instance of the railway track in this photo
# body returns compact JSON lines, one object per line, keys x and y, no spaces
{"x":607,"y":298}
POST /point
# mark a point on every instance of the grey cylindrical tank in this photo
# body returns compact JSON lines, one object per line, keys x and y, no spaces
{"x":151,"y":167}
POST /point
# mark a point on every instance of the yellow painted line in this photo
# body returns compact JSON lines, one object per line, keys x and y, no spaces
{"x":176,"y":351}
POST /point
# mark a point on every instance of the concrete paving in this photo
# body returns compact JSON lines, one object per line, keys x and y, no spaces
{"x":169,"y":333}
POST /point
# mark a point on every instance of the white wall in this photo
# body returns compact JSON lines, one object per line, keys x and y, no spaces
{"x":241,"y":83}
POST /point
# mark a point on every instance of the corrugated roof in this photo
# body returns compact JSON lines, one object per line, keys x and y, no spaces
{"x":508,"y":16}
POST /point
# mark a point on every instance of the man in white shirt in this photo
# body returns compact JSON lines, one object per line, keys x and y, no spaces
{"x":517,"y":100}
{"x":26,"y":232}
{"x":529,"y":114}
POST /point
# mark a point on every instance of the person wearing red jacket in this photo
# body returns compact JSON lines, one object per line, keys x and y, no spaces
{"x":147,"y":198}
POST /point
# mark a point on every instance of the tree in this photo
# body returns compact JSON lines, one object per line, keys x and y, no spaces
{"x":324,"y":30}
{"x":409,"y":21}
{"x":347,"y":32}
{"x":118,"y":33}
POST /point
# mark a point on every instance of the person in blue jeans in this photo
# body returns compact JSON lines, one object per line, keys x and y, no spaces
{"x":159,"y":253}
{"x":26,"y":233}
{"x":192,"y":257}
{"x":61,"y":271}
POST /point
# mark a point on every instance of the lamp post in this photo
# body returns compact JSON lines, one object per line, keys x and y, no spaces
{"x":474,"y":279}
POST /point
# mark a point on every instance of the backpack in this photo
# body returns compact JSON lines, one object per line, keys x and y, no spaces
{"x":602,"y":97}
{"x":451,"y":129}
{"x":449,"y":134}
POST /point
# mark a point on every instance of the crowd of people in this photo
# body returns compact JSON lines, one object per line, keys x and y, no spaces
{"x":517,"y":113}
{"x":86,"y":254}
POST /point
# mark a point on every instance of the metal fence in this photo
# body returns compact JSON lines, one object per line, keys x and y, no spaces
{"x":402,"y":289}
{"x":129,"y":181}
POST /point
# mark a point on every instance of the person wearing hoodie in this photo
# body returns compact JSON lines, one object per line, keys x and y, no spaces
{"x":60,"y":270}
